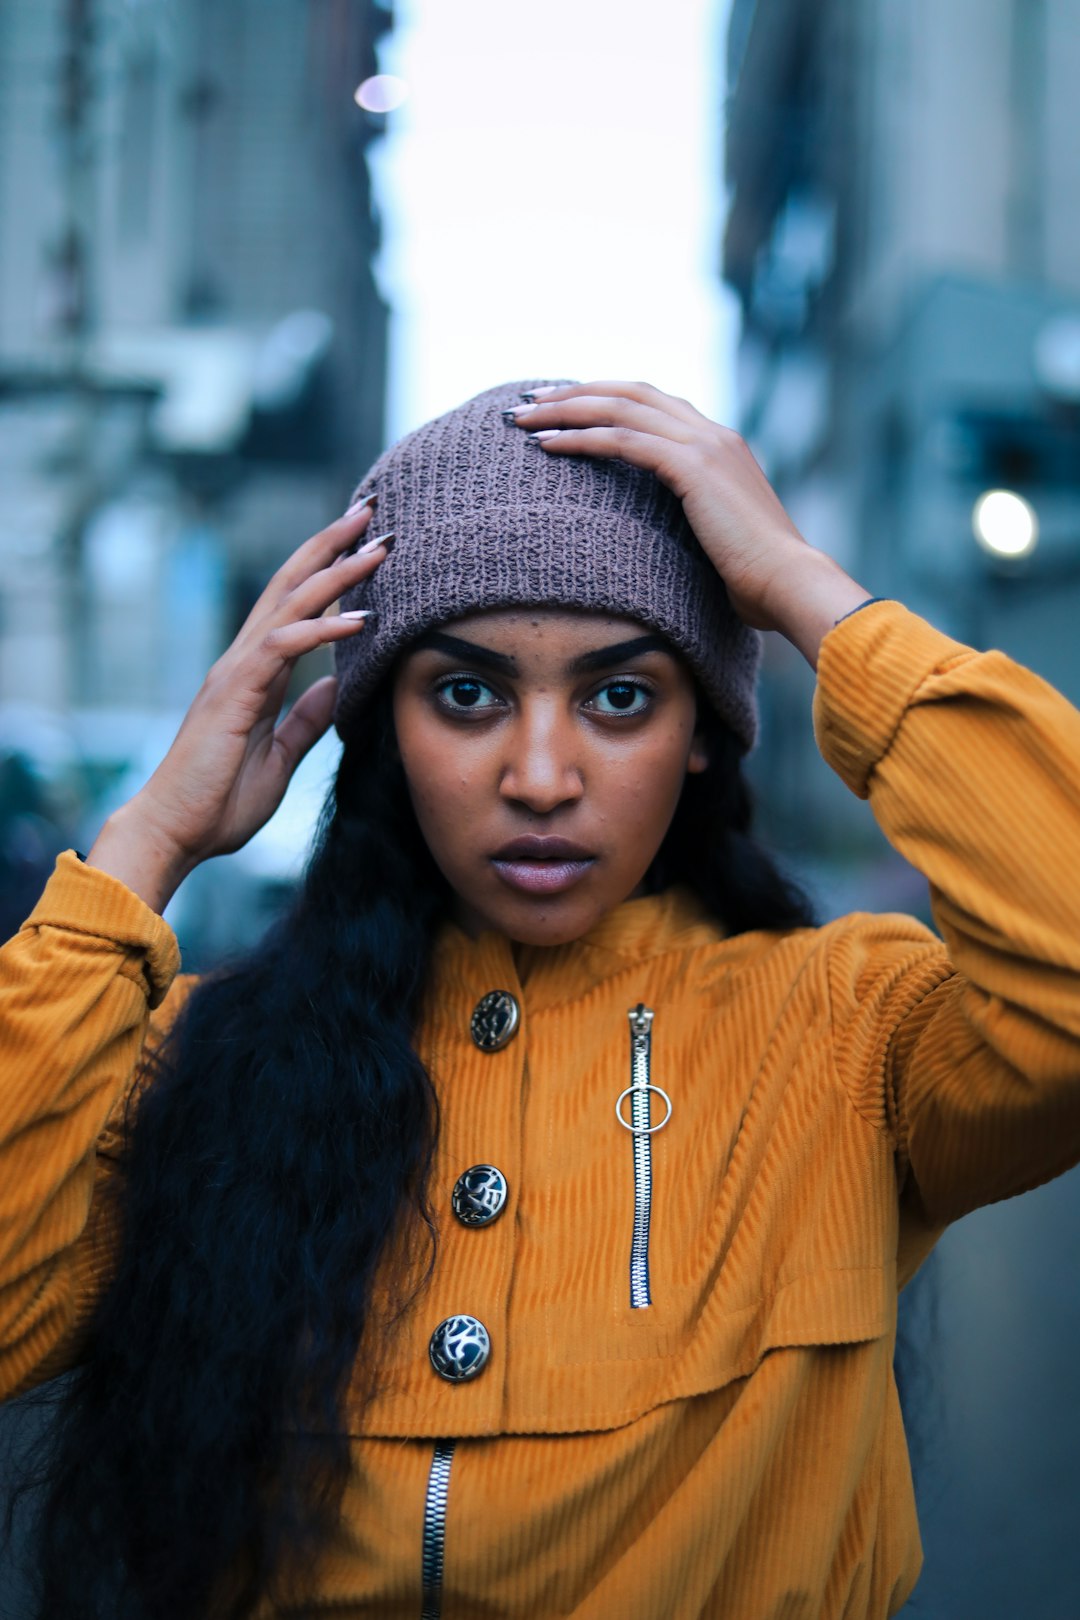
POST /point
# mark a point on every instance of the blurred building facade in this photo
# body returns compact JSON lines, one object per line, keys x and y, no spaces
{"x":192,"y":342}
{"x":192,"y":377}
{"x":192,"y":345}
{"x":904,"y":240}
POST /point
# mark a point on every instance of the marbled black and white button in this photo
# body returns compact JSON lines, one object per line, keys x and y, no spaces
{"x":459,"y":1348}
{"x":479,"y":1195}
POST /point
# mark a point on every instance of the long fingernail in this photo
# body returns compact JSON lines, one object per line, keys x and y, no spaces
{"x":544,"y":433}
{"x":358,"y":506}
{"x":386,"y":540}
{"x":515,"y":411}
{"x":358,"y":613}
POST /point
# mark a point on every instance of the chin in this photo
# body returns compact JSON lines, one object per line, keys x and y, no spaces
{"x":557,"y":920}
{"x":550,"y":931}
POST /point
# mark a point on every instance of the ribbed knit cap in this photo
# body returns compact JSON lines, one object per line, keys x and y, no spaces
{"x":485,"y":518}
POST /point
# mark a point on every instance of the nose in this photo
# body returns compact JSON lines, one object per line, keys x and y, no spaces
{"x":541,"y":768}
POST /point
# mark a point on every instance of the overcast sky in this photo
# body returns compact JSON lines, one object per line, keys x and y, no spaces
{"x":551,"y":198}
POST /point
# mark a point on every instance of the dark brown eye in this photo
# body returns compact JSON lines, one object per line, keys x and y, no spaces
{"x":622,"y":697}
{"x":465,"y":692}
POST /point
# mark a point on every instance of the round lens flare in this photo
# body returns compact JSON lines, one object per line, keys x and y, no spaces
{"x":382,"y":93}
{"x":1004,"y":523}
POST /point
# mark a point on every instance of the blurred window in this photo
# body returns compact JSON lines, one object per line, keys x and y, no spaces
{"x":138,"y":146}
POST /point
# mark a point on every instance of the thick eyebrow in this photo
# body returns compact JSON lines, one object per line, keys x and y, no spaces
{"x":468,"y":651}
{"x":585,"y":664}
{"x":606,"y":657}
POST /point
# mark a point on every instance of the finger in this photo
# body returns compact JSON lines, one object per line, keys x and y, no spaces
{"x":287,"y":642}
{"x":322,"y":548}
{"x":671,"y":460}
{"x":307,"y":720}
{"x":604,"y":410}
{"x":255,"y":668}
{"x":313,"y":596}
{"x":645,"y":393}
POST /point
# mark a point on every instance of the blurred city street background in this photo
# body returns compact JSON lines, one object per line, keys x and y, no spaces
{"x":244,"y":243}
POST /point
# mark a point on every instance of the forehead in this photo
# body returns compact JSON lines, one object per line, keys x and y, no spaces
{"x":569,"y":629}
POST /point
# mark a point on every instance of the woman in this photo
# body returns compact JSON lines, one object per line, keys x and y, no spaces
{"x":519,"y":1231}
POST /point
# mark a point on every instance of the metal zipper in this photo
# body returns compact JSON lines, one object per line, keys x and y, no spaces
{"x":641,"y":1018}
{"x":642,"y":1129}
{"x":434,"y":1549}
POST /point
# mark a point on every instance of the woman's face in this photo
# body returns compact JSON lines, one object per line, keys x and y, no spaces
{"x":545,"y":752}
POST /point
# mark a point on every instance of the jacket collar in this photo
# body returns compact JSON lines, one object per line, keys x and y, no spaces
{"x":634,"y":932}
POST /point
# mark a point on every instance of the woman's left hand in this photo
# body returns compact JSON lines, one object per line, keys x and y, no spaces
{"x":775,"y":580}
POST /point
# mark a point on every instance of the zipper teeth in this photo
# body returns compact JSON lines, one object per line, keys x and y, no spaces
{"x":641,"y":1119}
{"x":435,"y":1528}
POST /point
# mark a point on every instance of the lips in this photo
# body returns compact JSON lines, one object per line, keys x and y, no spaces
{"x":536,"y":847}
{"x":534,"y":864}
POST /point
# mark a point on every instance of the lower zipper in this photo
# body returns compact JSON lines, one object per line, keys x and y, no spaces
{"x":434,"y":1547}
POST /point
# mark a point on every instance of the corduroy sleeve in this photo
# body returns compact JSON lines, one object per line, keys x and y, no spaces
{"x":971,"y":764}
{"x":77,"y":984}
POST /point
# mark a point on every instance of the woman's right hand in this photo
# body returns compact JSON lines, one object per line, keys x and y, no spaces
{"x":227,"y":771}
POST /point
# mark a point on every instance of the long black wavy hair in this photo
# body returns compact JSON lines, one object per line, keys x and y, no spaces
{"x":196,"y":1460}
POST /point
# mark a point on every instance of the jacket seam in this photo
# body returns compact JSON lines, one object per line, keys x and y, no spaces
{"x":879,"y":1268}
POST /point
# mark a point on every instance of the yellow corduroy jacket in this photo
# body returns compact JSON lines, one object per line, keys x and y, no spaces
{"x":733,"y":1448}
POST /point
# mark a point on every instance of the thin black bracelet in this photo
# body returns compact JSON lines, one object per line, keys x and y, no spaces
{"x":870,"y":600}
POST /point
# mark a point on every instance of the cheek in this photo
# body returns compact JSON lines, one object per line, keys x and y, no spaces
{"x":441,"y":783}
{"x":666,"y":766}
{"x":641,"y":797}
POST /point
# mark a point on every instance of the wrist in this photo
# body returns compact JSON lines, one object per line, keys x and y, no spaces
{"x":809,"y":596}
{"x":132,"y":847}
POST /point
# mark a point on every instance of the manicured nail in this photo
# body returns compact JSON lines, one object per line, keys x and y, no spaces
{"x":358,"y":506}
{"x":358,"y":614}
{"x":549,"y":388}
{"x":544,"y":433}
{"x":386,"y":540}
{"x":529,"y":398}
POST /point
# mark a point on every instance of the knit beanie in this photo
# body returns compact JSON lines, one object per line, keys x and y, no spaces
{"x":485,"y":518}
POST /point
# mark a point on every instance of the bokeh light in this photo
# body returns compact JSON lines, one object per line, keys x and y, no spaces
{"x":1004,"y":523}
{"x":382,"y":93}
